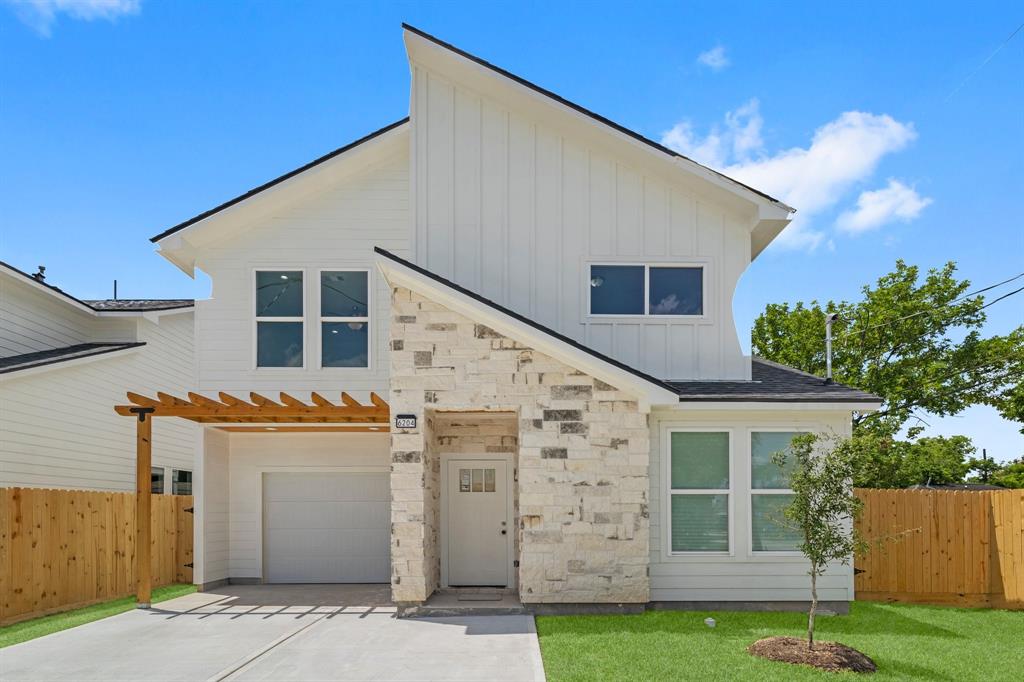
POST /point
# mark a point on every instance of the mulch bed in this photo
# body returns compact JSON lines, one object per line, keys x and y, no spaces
{"x":831,"y":656}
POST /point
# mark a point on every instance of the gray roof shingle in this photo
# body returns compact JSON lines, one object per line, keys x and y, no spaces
{"x":772,"y":382}
{"x":14,"y":363}
{"x":137,"y":304}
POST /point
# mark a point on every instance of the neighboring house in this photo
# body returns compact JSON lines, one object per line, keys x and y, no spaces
{"x":64,"y":363}
{"x":550,"y":295}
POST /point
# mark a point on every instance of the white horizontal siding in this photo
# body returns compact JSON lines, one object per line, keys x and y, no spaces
{"x":33,"y":320}
{"x":58,"y":427}
{"x":254,"y":454}
{"x":515,"y":209}
{"x":745,"y":575}
{"x":334,"y":228}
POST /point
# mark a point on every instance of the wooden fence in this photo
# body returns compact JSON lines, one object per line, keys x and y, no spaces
{"x":962,"y":548}
{"x":65,"y":548}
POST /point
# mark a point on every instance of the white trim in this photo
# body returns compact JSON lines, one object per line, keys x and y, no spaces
{"x":782,"y":406}
{"x":256,"y":319}
{"x":703,"y":264}
{"x":646,"y":392}
{"x":446,"y":459}
{"x":260,"y":472}
{"x":320,"y":319}
{"x":669,"y":491}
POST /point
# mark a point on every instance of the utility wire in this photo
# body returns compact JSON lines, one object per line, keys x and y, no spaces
{"x":982,"y":65}
{"x":932,"y":311}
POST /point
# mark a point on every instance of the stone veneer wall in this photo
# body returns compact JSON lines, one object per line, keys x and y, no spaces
{"x":583,"y":526}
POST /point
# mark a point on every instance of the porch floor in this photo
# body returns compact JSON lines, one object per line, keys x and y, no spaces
{"x":469,"y":601}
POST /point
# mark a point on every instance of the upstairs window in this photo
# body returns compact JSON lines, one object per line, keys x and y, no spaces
{"x":646,"y":290}
{"x":344,"y":318}
{"x":279,"y":311}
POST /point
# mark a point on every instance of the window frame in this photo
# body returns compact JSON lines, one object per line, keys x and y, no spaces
{"x":174,"y":472}
{"x":256,"y":319}
{"x":670,"y":491}
{"x":752,"y":491}
{"x":320,"y":319}
{"x":647,"y":265}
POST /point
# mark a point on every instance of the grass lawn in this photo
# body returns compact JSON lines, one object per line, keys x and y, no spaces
{"x":37,"y":627}
{"x":906,"y":642}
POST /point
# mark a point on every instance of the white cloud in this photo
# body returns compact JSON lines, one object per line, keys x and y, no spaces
{"x":842,"y":153}
{"x":715,"y":58}
{"x":894,"y":202}
{"x":40,"y":14}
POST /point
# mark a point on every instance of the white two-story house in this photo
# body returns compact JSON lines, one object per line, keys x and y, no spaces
{"x":544,"y":300}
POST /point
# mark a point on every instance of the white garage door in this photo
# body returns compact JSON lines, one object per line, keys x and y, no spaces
{"x":326,"y":528}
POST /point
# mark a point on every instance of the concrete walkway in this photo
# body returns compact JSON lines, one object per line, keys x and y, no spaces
{"x":282,"y":632}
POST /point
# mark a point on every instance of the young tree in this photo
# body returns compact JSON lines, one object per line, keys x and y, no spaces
{"x":823,"y":507}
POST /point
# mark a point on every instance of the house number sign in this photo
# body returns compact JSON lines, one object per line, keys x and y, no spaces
{"x":405,"y":421}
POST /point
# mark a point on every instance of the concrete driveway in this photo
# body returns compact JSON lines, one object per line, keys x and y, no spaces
{"x":282,"y":632}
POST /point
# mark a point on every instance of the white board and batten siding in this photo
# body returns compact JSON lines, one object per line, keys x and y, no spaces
{"x":743,"y":575}
{"x":58,"y":428}
{"x":516,"y":210}
{"x":332,"y":228}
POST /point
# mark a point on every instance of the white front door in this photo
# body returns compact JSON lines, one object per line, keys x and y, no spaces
{"x":478,"y":522}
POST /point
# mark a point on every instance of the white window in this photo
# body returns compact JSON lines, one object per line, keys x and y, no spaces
{"x":344,"y":318}
{"x":770,"y":493}
{"x":280,"y":339}
{"x":700,"y":480}
{"x":647,"y":290}
{"x":181,"y":482}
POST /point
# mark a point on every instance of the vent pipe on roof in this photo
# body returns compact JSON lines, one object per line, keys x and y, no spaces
{"x":115,"y":289}
{"x":829,"y":319}
{"x":41,"y":274}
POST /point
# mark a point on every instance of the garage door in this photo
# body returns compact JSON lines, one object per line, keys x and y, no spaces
{"x":326,"y":528}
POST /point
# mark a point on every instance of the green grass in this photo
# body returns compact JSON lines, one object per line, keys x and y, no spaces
{"x":906,"y":642}
{"x":37,"y":627}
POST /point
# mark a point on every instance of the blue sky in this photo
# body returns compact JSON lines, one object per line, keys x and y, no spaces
{"x":120,"y":118}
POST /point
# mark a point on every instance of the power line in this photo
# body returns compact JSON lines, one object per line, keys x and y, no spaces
{"x":982,"y":65}
{"x":932,"y":311}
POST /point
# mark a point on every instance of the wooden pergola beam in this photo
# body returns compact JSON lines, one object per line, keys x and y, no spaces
{"x":228,"y":410}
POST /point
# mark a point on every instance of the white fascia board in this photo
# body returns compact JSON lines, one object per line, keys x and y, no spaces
{"x":151,"y":315}
{"x":458,"y":68}
{"x":780,"y":406}
{"x":182,"y":248}
{"x":66,"y":364}
{"x":648,"y":394}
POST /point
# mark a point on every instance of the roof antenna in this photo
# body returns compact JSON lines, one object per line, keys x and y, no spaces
{"x":115,"y":289}
{"x":829,"y":319}
{"x":41,"y":275}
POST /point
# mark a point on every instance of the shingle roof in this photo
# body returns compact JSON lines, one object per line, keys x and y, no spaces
{"x":771,"y":382}
{"x":136,"y":304}
{"x":14,"y":363}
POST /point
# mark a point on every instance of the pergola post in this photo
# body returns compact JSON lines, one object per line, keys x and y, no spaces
{"x":143,"y":506}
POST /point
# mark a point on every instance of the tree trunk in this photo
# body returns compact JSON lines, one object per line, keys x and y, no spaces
{"x":814,"y":607}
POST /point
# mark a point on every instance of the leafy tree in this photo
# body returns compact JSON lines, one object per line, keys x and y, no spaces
{"x":915,"y":343}
{"x":823,"y":506}
{"x":884,"y":462}
{"x":1007,"y":475}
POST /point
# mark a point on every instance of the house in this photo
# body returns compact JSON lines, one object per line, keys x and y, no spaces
{"x":63,"y":362}
{"x":542,"y":297}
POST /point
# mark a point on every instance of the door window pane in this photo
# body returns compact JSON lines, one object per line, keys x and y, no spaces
{"x":156,"y":480}
{"x":345,"y":344}
{"x":676,"y":291}
{"x":700,"y":460}
{"x":488,"y":480}
{"x":768,"y":534}
{"x":279,"y":344}
{"x":764,"y":473}
{"x":617,"y":289}
{"x":343,"y":294}
{"x":478,"y":480}
{"x":279,"y":293}
{"x":700,"y":523}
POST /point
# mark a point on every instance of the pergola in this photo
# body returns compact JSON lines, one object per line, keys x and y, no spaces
{"x":231,"y":414}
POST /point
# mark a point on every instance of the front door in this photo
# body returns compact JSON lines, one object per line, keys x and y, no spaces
{"x":478,"y":523}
